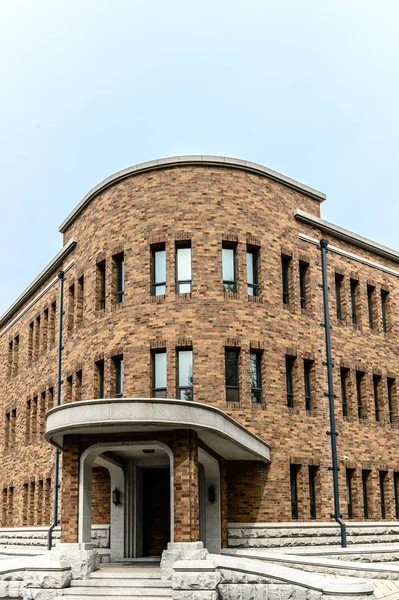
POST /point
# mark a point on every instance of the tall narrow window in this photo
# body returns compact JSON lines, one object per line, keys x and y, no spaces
{"x":255,"y":365}
{"x":354,"y":291}
{"x":359,"y":393}
{"x":285,"y":270}
{"x":53,"y":314}
{"x":370,"y":304}
{"x":365,"y":478}
{"x":31,"y":341}
{"x":383,"y":475}
{"x":252,"y":271}
{"x":307,"y":372}
{"x":158,"y":270}
{"x":339,"y":280}
{"x":294,"y":470}
{"x":303,"y":277}
{"x":232,"y":375}
{"x":185,"y":374}
{"x":384,"y":304}
{"x":391,"y":388}
{"x":349,"y":491}
{"x":100,"y":378}
{"x":396,"y":492}
{"x":101,"y":283}
{"x":119,"y":262}
{"x":159,"y":374}
{"x":312,"y":491}
{"x":229,"y":268}
{"x":118,"y":365}
{"x":376,"y":387}
{"x":45,"y":330}
{"x":71,"y":307}
{"x":289,"y":375}
{"x":344,"y":391}
{"x":183,"y":268}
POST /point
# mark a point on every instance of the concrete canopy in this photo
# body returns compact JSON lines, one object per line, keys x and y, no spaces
{"x":217,"y":430}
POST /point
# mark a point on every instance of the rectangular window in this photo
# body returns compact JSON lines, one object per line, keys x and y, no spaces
{"x":252,"y":271}
{"x":158,"y":270}
{"x":71,"y":307}
{"x":53,"y":313}
{"x":159,"y":387}
{"x":365,"y":478}
{"x":349,"y":491}
{"x":185,"y":374}
{"x":285,"y":268}
{"x":118,"y":366}
{"x":307,"y":372}
{"x":344,"y":391}
{"x":396,"y":492}
{"x":354,"y":290}
{"x":79,"y":301}
{"x":183,"y":269}
{"x":100,"y":378}
{"x":289,"y":375}
{"x":294,"y":470}
{"x":255,"y":366}
{"x":383,"y":475}
{"x":229,"y":268}
{"x":359,"y":393}
{"x":119,"y":263}
{"x":370,"y":304}
{"x":391,"y":388}
{"x":232,"y":375}
{"x":101,"y":284}
{"x":339,"y":281}
{"x":303,"y":278}
{"x":312,"y":491}
{"x":376,"y":387}
{"x":69,"y":388}
{"x":384,"y":306}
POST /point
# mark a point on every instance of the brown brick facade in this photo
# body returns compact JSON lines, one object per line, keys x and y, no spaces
{"x":207,"y":206}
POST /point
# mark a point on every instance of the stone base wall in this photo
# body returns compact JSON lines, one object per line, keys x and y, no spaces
{"x":37,"y":536}
{"x":287,"y":535}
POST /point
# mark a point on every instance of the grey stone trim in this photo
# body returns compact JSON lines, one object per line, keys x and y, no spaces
{"x":36,"y":283}
{"x":313,"y":525}
{"x":219,"y":431}
{"x":346,"y":235}
{"x":182,"y":161}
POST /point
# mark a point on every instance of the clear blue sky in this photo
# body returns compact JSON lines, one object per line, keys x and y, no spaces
{"x":309,"y":88}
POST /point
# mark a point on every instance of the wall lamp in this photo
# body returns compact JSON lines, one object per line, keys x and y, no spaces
{"x":211,"y":494}
{"x":116,"y":497}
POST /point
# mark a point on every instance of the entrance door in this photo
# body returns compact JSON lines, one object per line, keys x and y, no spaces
{"x":156,"y":510}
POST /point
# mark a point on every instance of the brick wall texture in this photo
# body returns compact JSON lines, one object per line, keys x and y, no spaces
{"x":208,"y":205}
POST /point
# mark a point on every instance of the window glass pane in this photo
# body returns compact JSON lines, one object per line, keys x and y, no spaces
{"x":232,"y":395}
{"x":250,"y":268}
{"x":231,"y":368}
{"x":228,"y":264}
{"x":184,"y":288}
{"x":160,"y":289}
{"x":185,"y":368}
{"x":184,"y":264}
{"x":160,"y":267}
{"x":254,"y":370}
{"x":160,"y":369}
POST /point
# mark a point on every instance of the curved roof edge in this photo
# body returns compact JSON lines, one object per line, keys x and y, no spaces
{"x":181,"y":161}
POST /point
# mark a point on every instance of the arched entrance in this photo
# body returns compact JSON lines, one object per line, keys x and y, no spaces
{"x":142,"y":518}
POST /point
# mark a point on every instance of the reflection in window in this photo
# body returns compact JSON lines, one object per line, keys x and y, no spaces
{"x":229,"y":269}
{"x":159,"y":374}
{"x":252,"y":272}
{"x":232,"y":376}
{"x":183,"y":270}
{"x":159,"y":270}
{"x":185,"y":374}
{"x":256,"y":377}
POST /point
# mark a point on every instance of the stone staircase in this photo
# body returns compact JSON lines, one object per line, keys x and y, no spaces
{"x":120,"y":581}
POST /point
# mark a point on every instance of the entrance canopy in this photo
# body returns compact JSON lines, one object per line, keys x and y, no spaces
{"x":217,"y":430}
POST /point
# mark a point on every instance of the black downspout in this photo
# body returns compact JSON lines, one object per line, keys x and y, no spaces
{"x":329,"y":364}
{"x":61,"y":275}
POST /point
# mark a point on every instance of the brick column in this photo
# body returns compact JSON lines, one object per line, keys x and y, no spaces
{"x":70,"y":491}
{"x":186,"y":501}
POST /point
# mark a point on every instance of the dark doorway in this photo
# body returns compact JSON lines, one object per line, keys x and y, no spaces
{"x":156,"y":510}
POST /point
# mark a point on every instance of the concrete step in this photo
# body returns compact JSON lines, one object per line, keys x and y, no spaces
{"x":122,"y":582}
{"x":116,"y":592}
{"x":125,"y":574}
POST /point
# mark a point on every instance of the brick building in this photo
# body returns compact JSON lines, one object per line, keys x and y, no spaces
{"x":193,"y":384}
